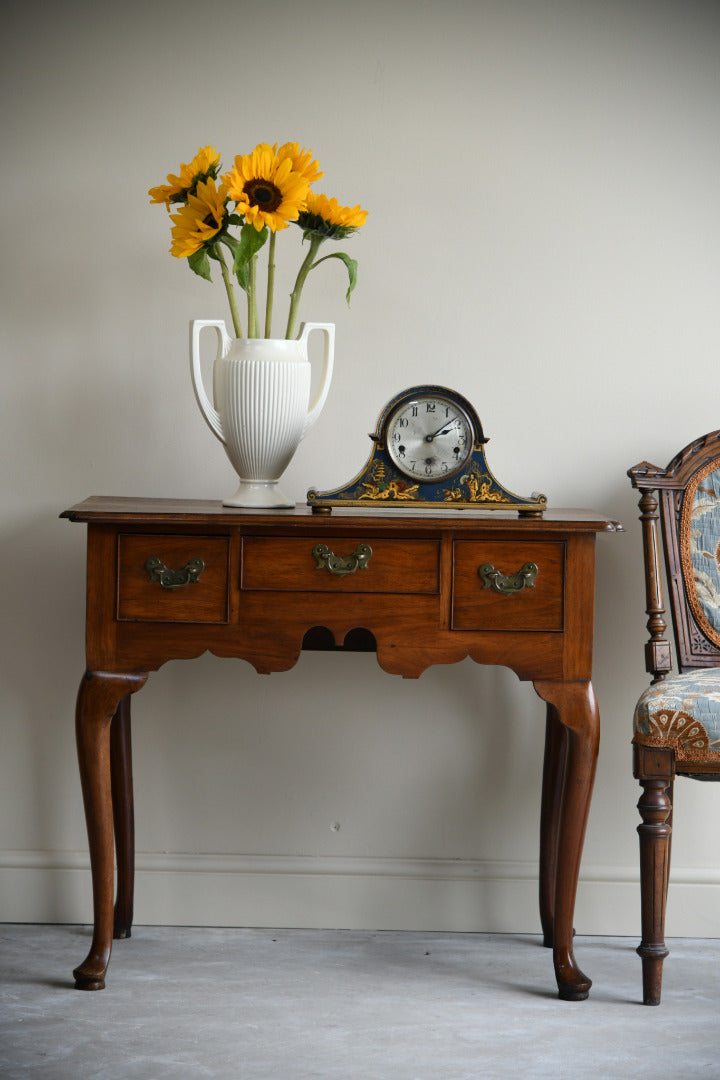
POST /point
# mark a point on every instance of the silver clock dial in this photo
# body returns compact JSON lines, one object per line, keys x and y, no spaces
{"x":429,"y":438}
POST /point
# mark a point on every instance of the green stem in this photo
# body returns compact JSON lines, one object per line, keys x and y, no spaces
{"x":252,"y":298}
{"x":230,"y":292}
{"x":270,"y":286}
{"x":303,"y":272}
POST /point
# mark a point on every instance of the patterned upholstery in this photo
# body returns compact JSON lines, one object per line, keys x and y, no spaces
{"x":682,"y":711}
{"x":701,"y":526}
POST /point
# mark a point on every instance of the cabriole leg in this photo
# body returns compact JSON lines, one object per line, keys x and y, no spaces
{"x":98,"y":699}
{"x":123,"y":817}
{"x":553,"y":776}
{"x":578,"y":713}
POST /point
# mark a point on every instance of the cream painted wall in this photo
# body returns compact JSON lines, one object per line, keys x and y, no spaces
{"x":543,"y":236}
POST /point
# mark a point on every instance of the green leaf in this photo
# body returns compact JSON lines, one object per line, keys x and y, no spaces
{"x":232,"y":245}
{"x":229,"y":242}
{"x":250,"y":243}
{"x":199,"y":263}
{"x":242,"y":277}
{"x":350,"y":264}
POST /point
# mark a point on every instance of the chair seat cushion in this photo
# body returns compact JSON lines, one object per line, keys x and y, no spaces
{"x":682,"y":711}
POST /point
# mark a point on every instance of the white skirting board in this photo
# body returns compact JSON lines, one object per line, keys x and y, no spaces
{"x":350,"y":893}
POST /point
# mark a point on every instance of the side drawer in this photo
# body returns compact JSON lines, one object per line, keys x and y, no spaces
{"x":290,"y":565}
{"x":198,"y":593}
{"x":535,"y":606}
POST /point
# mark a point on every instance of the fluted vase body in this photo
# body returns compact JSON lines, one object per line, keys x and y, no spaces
{"x":261,"y":410}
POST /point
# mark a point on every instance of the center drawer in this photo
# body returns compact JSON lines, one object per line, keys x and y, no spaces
{"x":340,"y":564}
{"x":508,"y":586}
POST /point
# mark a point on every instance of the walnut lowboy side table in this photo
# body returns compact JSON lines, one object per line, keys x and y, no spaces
{"x":171,"y":579}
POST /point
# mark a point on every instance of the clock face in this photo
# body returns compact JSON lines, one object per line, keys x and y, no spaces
{"x":429,"y":438}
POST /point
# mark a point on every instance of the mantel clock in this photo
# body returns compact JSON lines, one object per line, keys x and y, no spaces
{"x":427,"y":452}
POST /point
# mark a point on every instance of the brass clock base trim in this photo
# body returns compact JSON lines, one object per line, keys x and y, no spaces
{"x":418,"y":504}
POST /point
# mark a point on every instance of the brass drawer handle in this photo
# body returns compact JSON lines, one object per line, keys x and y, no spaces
{"x":507,"y":584}
{"x":174,"y":579}
{"x":341,"y":565}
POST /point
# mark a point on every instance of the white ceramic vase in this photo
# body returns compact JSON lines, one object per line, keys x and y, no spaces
{"x":262,"y":410}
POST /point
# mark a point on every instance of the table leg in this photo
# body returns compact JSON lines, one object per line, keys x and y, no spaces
{"x":578,"y":713}
{"x":98,"y":699}
{"x":121,"y":783}
{"x":552,"y":787}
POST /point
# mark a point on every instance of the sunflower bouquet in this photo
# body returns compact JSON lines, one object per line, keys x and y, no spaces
{"x":262,"y":194}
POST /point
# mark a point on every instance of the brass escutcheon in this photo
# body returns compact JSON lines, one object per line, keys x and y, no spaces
{"x":341,"y":565}
{"x":507,"y":584}
{"x":174,"y":579}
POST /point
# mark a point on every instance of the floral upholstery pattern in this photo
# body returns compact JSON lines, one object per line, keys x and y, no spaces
{"x":682,"y":711}
{"x":702,"y":528}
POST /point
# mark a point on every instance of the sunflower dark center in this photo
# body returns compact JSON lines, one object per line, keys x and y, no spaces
{"x":264,"y":194}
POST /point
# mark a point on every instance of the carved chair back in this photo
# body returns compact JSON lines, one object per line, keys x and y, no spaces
{"x":685,"y":496}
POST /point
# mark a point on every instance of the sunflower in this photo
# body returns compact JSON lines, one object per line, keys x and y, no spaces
{"x":205,"y":165}
{"x":200,"y":220}
{"x":267,"y":189}
{"x":326,"y":218}
{"x":301,"y":161}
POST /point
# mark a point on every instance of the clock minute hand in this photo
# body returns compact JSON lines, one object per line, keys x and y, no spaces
{"x":441,"y":431}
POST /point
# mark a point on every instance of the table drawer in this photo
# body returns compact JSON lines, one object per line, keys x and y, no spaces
{"x":515,"y":598}
{"x":340,"y":564}
{"x":172,"y":578}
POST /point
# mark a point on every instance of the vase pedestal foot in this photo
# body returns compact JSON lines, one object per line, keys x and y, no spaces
{"x":258,"y":494}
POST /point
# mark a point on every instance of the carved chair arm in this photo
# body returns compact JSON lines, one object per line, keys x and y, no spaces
{"x":658,"y":657}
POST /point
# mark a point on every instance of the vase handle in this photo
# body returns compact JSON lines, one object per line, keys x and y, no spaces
{"x":212,"y":416}
{"x":328,"y":330}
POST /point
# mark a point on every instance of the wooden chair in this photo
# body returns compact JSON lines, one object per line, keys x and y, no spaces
{"x":677,"y":719}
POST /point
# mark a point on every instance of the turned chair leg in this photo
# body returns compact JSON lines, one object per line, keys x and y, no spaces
{"x":123,"y":817}
{"x":654,"y":769}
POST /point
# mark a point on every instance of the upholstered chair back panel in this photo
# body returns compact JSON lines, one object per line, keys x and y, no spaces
{"x":700,"y":548}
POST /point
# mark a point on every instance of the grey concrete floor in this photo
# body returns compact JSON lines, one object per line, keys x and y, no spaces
{"x":308,"y":1005}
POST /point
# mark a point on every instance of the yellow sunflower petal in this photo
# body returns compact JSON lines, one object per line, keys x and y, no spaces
{"x":199,"y":220}
{"x":301,"y":161}
{"x":327,"y":218}
{"x":203,"y":166}
{"x":161,"y":194}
